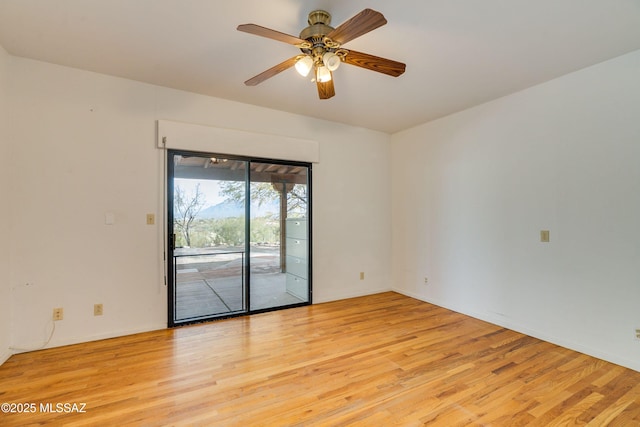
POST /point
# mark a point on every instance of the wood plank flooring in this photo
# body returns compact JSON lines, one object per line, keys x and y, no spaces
{"x":378,"y":360}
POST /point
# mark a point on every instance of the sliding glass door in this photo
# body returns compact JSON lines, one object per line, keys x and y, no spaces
{"x":279,"y":195}
{"x":239,"y":236}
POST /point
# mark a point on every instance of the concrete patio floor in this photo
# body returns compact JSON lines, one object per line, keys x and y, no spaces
{"x":212,"y":284}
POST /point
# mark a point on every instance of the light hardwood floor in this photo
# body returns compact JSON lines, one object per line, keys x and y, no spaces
{"x":378,"y":360}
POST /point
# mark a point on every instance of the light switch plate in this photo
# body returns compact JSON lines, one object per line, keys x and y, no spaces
{"x":109,"y":218}
{"x":544,"y":236}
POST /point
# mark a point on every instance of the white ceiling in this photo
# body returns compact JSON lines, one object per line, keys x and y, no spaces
{"x":459,"y":53}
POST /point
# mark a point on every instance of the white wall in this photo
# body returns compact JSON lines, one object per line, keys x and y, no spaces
{"x":85,"y":145}
{"x":470,"y":194}
{"x":5,"y":211}
{"x":472,"y":191}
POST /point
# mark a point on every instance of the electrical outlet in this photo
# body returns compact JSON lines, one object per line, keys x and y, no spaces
{"x":109,"y":218}
{"x":151,"y":219}
{"x":362,"y":275}
{"x":544,"y":236}
{"x":426,"y":280}
{"x":638,"y":334}
{"x":58,"y":314}
{"x":97,"y":309}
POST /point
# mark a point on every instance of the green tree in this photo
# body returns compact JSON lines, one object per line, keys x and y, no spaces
{"x":266,"y":192}
{"x":185,"y":209}
{"x":265,"y":230}
{"x":230,"y":231}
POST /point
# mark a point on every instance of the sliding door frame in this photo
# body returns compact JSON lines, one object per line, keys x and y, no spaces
{"x":170,"y":241}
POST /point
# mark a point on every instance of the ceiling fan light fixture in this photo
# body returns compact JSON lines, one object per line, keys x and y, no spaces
{"x":304,"y":65}
{"x":323,"y":74}
{"x":331,"y":61}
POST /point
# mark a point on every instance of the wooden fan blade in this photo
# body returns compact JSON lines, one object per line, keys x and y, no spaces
{"x":326,"y":90}
{"x":270,"y":34}
{"x":375,"y":63}
{"x":271,"y":71}
{"x":362,"y":23}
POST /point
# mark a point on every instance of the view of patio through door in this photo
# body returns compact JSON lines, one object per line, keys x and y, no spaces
{"x":239,"y":236}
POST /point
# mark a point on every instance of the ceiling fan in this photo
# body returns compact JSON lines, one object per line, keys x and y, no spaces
{"x":322,"y":51}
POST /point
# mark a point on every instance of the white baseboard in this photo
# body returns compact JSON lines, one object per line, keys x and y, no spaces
{"x":25,"y":348}
{"x":347,"y":295}
{"x":514,"y":326}
{"x":5,"y":355}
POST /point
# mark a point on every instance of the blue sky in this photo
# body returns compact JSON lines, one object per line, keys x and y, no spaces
{"x":210,"y":188}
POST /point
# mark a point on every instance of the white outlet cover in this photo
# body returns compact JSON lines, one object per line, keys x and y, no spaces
{"x":109,"y":218}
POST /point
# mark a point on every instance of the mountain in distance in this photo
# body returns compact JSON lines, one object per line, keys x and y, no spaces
{"x":232,"y":209}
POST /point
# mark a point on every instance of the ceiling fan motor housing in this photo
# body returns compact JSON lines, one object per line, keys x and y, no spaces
{"x":316,"y":35}
{"x":319,"y":21}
